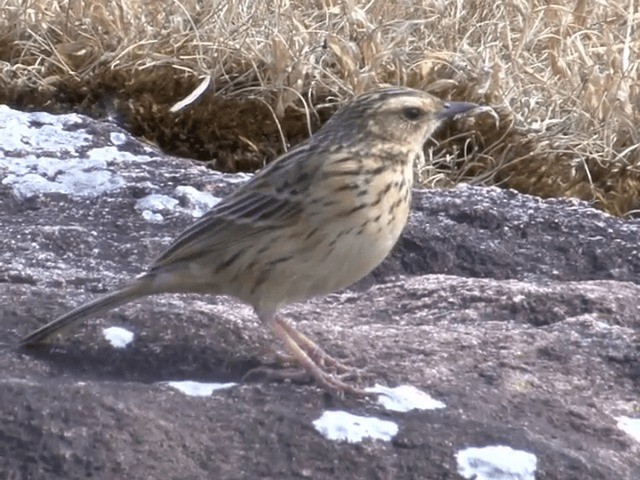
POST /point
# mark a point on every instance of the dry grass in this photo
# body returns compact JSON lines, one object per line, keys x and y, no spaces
{"x":563,"y":76}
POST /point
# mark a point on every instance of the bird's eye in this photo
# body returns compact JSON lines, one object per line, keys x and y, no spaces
{"x":412,"y":113}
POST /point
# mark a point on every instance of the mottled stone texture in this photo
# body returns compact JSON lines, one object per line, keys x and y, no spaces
{"x":520,"y":314}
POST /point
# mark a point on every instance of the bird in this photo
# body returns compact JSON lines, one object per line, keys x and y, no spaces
{"x":314,"y":221}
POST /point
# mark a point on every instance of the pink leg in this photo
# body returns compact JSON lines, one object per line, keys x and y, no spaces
{"x":317,"y":354}
{"x":311,"y":357}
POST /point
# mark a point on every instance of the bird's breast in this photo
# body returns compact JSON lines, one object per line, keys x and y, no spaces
{"x":348,"y":226}
{"x":361,"y":224}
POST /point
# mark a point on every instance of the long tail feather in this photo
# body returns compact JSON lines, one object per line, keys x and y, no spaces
{"x":139,"y":288}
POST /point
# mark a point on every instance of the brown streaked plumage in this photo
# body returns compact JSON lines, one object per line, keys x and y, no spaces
{"x":315,"y":220}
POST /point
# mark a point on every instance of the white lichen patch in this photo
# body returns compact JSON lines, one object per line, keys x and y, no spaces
{"x":157,"y":202}
{"x":40,"y":132}
{"x":118,"y":138}
{"x":192,"y":202}
{"x":342,"y":426}
{"x":112,"y":154}
{"x":405,"y":398}
{"x":152,"y":217}
{"x":118,"y":337}
{"x":239,"y":177}
{"x":196,"y":202}
{"x":496,"y":463}
{"x":83,"y":177}
{"x":630,"y":426}
{"x":198,"y":389}
{"x":42,"y":153}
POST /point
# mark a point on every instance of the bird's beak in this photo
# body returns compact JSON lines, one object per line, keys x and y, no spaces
{"x":451,"y":109}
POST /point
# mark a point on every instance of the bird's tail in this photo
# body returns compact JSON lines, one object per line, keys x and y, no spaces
{"x":140,"y":287}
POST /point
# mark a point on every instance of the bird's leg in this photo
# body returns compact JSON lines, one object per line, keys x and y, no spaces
{"x":324,"y":379}
{"x":317,"y":354}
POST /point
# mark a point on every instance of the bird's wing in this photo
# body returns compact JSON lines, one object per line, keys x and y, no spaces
{"x":271,"y":200}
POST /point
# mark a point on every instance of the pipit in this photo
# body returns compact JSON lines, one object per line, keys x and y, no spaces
{"x":314,"y":221}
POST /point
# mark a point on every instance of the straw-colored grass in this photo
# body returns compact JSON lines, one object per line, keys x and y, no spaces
{"x":563,"y":76}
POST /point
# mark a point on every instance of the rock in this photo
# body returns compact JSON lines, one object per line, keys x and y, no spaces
{"x":519,"y":314}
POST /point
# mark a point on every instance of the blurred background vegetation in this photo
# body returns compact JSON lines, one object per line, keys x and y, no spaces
{"x":248,"y":79}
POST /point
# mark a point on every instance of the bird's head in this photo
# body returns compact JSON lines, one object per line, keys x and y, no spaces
{"x":399,"y":115}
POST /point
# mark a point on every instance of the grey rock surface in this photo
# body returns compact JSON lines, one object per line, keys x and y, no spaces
{"x":519,"y":314}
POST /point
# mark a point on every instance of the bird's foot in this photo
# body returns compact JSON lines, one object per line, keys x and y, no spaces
{"x":321,"y":358}
{"x":325,"y":361}
{"x":326,"y":371}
